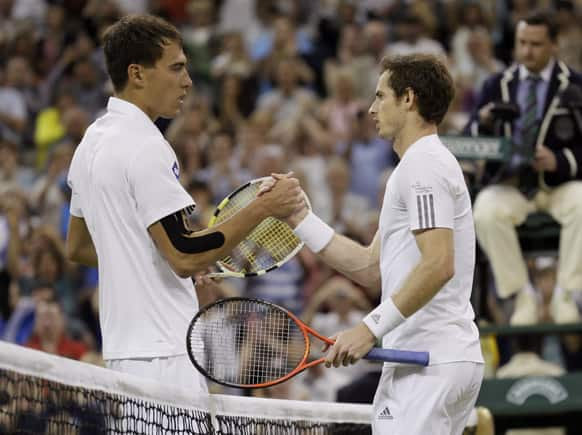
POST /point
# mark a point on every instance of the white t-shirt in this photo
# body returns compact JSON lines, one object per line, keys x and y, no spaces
{"x":124,"y":178}
{"x":427,"y":190}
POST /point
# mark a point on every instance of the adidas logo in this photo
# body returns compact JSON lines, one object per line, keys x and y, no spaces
{"x":376,"y":318}
{"x":385,"y":414}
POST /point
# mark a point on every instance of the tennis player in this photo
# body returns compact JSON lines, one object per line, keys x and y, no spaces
{"x":422,"y":258}
{"x":129,"y":211}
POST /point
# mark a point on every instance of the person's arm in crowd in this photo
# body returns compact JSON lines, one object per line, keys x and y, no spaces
{"x":13,"y":207}
{"x":318,"y":133}
{"x":13,"y":122}
{"x":481,"y":121}
{"x":305,"y":73}
{"x":12,"y":212}
{"x":329,"y":288}
{"x":79,"y":245}
{"x":313,"y":272}
{"x":318,"y":299}
{"x":40,"y":191}
{"x":48,"y":86}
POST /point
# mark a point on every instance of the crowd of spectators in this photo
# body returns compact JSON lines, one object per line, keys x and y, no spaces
{"x":278,"y":85}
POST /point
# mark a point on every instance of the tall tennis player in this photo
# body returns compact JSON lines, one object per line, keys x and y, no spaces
{"x":129,"y":211}
{"x":422,"y":258}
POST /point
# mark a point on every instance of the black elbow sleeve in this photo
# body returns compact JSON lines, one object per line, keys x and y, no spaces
{"x":183,"y":239}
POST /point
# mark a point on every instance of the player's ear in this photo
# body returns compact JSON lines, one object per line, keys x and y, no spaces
{"x":135,"y":74}
{"x":409,"y":97}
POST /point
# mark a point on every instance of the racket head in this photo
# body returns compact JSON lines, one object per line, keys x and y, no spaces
{"x":247,"y":343}
{"x":269,"y":245}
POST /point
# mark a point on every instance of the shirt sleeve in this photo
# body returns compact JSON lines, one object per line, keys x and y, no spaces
{"x":429,"y":199}
{"x":72,"y":180}
{"x":154,"y":180}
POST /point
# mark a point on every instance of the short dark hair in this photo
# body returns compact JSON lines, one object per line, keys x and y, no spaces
{"x":543,"y":18}
{"x":428,"y":78}
{"x":136,"y":39}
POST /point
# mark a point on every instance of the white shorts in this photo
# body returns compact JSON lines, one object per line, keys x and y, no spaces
{"x":169,"y":370}
{"x":434,"y":400}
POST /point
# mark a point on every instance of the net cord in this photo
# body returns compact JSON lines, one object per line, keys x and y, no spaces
{"x":74,"y":373}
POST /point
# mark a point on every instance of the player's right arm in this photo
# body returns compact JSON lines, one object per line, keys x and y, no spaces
{"x":359,"y":263}
{"x":79,"y":246}
{"x":189,"y":252}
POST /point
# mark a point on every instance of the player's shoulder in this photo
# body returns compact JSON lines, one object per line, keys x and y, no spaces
{"x":428,"y":153}
{"x":151,"y":158}
{"x":431,"y":160}
{"x":127,"y":125}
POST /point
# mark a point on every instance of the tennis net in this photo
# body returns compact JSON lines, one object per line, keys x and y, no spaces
{"x":46,"y":394}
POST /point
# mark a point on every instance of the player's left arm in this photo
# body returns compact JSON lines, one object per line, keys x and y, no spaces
{"x":79,"y":244}
{"x":436,"y":267}
{"x":429,"y":199}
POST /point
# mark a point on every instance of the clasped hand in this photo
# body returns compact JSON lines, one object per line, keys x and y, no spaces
{"x":299,"y":213}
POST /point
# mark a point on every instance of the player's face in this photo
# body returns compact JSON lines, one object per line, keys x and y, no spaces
{"x":533,"y":46}
{"x":168,"y":82}
{"x":386,"y":110}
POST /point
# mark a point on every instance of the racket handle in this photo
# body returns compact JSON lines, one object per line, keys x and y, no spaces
{"x":215,"y":275}
{"x":400,"y":356}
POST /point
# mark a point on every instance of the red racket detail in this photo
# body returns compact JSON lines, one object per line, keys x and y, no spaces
{"x":250,"y":343}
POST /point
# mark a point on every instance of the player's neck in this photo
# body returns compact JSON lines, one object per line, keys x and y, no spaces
{"x":137,"y":98}
{"x":411,"y":133}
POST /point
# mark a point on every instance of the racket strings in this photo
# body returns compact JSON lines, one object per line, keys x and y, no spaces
{"x":269,"y":244}
{"x":247,"y":343}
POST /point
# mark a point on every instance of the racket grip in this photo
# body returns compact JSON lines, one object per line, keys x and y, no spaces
{"x":399,"y":356}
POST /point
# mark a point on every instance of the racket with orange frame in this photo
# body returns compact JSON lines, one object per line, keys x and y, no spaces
{"x":250,"y":343}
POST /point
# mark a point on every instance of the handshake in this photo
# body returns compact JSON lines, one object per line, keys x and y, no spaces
{"x":282,"y":197}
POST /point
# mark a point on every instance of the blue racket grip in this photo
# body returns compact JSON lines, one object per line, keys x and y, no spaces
{"x":400,"y":356}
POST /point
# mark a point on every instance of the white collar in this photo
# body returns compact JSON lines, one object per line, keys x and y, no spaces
{"x":120,"y":105}
{"x":545,"y":74}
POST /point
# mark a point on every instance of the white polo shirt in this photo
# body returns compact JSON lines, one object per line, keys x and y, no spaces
{"x":124,"y":178}
{"x":427,"y":190}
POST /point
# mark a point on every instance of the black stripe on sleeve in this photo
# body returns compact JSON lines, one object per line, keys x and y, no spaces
{"x":419,"y":210}
{"x":426,"y":215}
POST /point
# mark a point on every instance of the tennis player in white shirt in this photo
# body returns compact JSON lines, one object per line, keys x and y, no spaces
{"x":422,"y":258}
{"x":129,"y":210}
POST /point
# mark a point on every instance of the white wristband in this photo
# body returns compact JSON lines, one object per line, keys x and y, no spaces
{"x":314,"y":232}
{"x":384,"y":318}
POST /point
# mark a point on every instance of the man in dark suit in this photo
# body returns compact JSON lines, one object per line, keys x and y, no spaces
{"x":537,"y":104}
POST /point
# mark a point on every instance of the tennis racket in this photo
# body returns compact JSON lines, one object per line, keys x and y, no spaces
{"x":249,"y":343}
{"x":267,"y":247}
